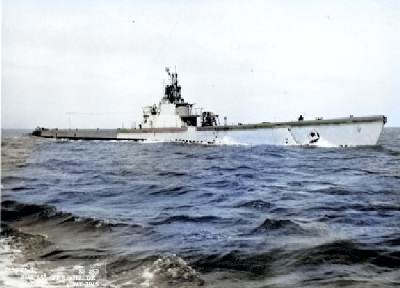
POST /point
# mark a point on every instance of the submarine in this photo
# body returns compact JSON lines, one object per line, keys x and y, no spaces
{"x":175,"y":120}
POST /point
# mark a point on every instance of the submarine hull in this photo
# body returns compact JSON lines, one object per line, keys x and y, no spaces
{"x":340,"y":132}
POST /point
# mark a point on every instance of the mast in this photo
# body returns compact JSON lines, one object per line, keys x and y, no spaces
{"x":173,"y":90}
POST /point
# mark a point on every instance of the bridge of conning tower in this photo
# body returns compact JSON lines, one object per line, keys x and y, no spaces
{"x":173,"y":90}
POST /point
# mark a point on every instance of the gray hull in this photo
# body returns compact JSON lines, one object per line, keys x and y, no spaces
{"x":341,"y":132}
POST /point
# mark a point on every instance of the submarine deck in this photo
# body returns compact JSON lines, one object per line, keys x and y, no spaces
{"x":117,"y":134}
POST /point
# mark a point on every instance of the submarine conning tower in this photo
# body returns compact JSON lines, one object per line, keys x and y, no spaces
{"x":173,"y":112}
{"x":173,"y":90}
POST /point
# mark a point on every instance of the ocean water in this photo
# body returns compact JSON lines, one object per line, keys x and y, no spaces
{"x":238,"y":216}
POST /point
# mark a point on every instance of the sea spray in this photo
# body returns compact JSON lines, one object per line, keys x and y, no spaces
{"x":172,"y":270}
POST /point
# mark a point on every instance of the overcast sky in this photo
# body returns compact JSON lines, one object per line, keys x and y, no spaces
{"x":95,"y":64}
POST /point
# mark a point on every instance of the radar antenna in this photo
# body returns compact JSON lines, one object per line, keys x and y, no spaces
{"x":173,"y":90}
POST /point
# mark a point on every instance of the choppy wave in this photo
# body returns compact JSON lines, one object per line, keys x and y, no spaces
{"x":219,"y":216}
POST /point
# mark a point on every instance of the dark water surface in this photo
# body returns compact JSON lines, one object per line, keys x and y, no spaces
{"x":240,"y":216}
